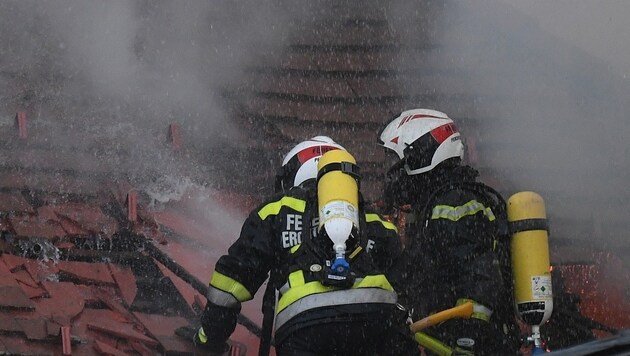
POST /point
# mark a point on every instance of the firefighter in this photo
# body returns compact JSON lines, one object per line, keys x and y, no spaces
{"x":456,"y":237}
{"x":318,"y":312}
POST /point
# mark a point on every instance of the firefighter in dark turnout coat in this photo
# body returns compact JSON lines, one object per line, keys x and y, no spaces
{"x":312,"y":317}
{"x":456,"y":237}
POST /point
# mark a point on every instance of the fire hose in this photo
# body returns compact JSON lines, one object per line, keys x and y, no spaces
{"x":464,"y":310}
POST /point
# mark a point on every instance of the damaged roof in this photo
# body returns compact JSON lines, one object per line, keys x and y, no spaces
{"x":97,"y":272}
{"x":91,"y":264}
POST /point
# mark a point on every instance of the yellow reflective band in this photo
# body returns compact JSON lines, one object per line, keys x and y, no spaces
{"x":296,"y":278}
{"x":229,"y":285}
{"x":376,"y":281}
{"x":274,"y":208}
{"x":294,"y":248}
{"x":219,"y":297}
{"x":299,"y":291}
{"x":454,"y":213}
{"x":355,"y":252}
{"x":386,"y":224}
{"x":335,"y":298}
{"x":433,"y":344}
{"x":202,"y":335}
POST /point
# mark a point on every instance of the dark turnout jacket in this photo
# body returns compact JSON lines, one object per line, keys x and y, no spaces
{"x":457,"y":248}
{"x":270,"y":238}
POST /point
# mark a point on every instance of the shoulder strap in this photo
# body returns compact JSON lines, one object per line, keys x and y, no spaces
{"x":313,"y":252}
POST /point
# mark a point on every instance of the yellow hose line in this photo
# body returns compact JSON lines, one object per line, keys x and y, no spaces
{"x":461,"y":311}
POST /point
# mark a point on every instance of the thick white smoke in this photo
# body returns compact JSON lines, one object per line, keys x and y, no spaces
{"x":110,"y":76}
{"x":546,"y":107}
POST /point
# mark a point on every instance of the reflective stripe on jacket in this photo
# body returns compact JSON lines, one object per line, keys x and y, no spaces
{"x":267,"y":237}
{"x":302,"y":296}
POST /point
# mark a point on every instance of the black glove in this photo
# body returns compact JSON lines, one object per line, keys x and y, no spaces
{"x":209,"y":347}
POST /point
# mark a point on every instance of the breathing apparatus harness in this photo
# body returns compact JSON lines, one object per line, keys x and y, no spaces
{"x":500,"y":246}
{"x":316,"y":256}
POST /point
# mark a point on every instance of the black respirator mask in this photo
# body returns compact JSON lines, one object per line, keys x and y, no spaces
{"x":399,"y":188}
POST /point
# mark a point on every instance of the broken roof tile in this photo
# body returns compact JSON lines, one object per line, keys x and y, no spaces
{"x":162,"y":328}
{"x":157,"y":325}
{"x":175,"y":345}
{"x":85,"y":272}
{"x":32,"y":292}
{"x":123,"y":330}
{"x":25,"y":278}
{"x":53,"y":329}
{"x":113,"y":302}
{"x":34,"y":329}
{"x":12,"y":262}
{"x":63,"y":305}
{"x":62,"y":314}
{"x":79,"y":325}
{"x":11,"y":295}
{"x":31,"y":226}
{"x":6,"y":277}
{"x":141,"y":348}
{"x":61,"y":290}
{"x":88,"y":217}
{"x":72,"y":228}
{"x":126,"y":282}
{"x":17,"y":345}
{"x":106,"y":349}
{"x":8,"y":323}
{"x":87,"y":293}
{"x":15,"y":203}
{"x":46,"y":213}
{"x":41,"y":271}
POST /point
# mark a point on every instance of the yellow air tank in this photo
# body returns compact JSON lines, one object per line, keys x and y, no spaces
{"x":338,"y":201}
{"x":530,"y":258}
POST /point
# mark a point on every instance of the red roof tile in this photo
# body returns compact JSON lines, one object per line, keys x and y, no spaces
{"x":123,"y":330}
{"x":88,"y":217}
{"x":113,"y":302}
{"x":86,"y":273}
{"x":35,"y":329}
{"x":33,"y":226}
{"x":8,"y":323}
{"x":11,"y":295}
{"x":162,"y":329}
{"x":126,"y":282}
{"x":12,"y":262}
{"x":106,"y":349}
{"x":141,"y":348}
{"x":61,"y":309}
{"x":16,"y":345}
{"x":32,"y":292}
{"x":25,"y":278}
{"x":15,"y":203}
{"x":40,"y":271}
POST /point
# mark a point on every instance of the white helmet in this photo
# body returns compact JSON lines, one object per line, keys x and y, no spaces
{"x":422,"y":139}
{"x":300,"y":164}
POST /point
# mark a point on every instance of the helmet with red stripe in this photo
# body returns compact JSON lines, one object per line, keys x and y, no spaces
{"x":421,"y":139}
{"x":300,"y":164}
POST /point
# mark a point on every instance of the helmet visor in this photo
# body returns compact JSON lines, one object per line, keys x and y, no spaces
{"x":419,"y":154}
